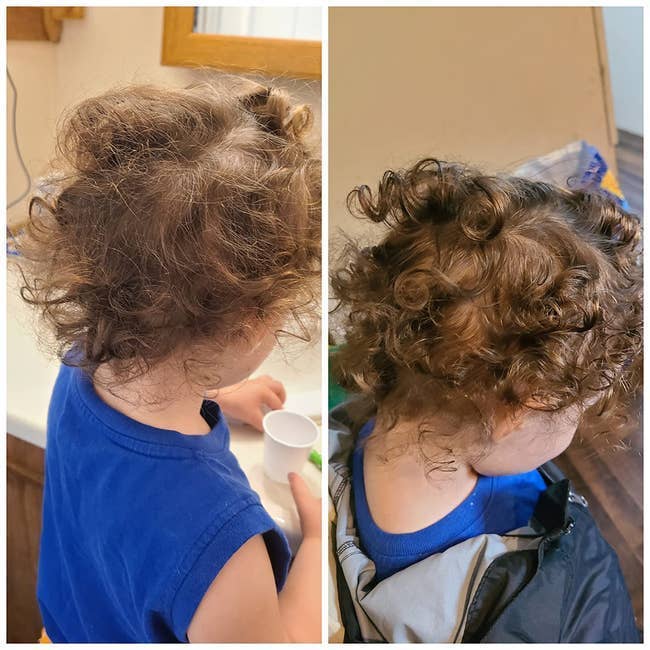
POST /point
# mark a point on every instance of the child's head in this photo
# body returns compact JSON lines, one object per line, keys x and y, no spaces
{"x":502,"y":308}
{"x":183,"y":224}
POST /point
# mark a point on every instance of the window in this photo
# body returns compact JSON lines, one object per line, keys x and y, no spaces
{"x":269,"y":40}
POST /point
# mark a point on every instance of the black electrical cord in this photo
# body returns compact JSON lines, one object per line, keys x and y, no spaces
{"x":15,"y":134}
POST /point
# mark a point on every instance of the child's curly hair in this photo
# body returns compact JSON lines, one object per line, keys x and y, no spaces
{"x":182,"y":219}
{"x":490,"y":291}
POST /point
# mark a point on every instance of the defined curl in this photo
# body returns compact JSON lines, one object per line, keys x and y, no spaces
{"x":178,"y":221}
{"x":487,"y":291}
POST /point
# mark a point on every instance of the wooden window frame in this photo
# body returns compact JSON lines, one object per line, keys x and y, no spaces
{"x":269,"y":56}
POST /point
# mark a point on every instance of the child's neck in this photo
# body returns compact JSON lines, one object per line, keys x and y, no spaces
{"x":161,"y":398}
{"x":402,"y":496}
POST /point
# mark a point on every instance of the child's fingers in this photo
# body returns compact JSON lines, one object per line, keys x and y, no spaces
{"x":308,"y":506}
{"x":272,"y":400}
{"x":301,"y":494}
{"x":256,"y":418}
{"x":278,"y":388}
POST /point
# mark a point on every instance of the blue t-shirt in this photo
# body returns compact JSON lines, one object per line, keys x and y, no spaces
{"x":137,"y":521}
{"x":497,"y":504}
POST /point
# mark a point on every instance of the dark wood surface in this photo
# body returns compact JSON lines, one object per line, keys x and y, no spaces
{"x":610,"y":479}
{"x":629,"y":157}
{"x":25,"y":472}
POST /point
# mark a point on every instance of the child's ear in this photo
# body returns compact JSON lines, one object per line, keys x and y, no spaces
{"x":506,"y":421}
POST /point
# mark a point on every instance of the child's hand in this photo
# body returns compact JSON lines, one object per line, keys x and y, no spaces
{"x":247,"y":400}
{"x":309,"y":507}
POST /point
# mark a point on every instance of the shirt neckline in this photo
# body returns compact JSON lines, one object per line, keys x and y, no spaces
{"x":445,"y":532}
{"x":134,"y":434}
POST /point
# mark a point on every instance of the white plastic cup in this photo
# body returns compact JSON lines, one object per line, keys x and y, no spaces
{"x":288,"y":440}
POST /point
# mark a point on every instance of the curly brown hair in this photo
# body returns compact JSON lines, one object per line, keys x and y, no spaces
{"x":179,"y":219}
{"x":488,"y":292}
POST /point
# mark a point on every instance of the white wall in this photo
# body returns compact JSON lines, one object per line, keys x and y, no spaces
{"x":624,"y":35}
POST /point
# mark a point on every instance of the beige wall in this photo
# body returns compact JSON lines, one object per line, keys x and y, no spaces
{"x":109,"y":46}
{"x":489,"y":86}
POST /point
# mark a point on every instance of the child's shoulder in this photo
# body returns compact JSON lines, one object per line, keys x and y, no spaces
{"x":136,"y":467}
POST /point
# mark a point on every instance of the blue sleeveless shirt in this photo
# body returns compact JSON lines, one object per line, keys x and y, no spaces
{"x":137,"y":521}
{"x":497,"y":504}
